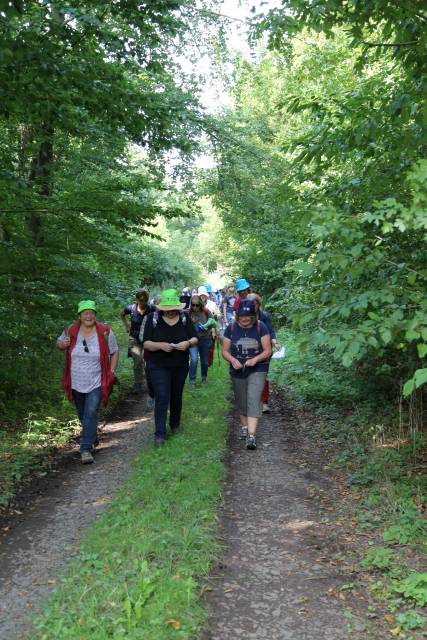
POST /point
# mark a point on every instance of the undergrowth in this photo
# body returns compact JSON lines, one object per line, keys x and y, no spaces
{"x":137,"y":572}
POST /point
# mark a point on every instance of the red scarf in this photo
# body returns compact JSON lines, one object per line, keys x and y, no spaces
{"x":107,"y":378}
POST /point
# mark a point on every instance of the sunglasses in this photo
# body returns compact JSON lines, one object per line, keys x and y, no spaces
{"x":195,"y":305}
{"x":85,"y":346}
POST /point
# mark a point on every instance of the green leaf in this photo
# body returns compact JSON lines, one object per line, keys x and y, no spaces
{"x":422,"y":350}
{"x":374,"y":316}
{"x":385,"y":335}
{"x":411,"y":334}
{"x":420,"y":377}
{"x":409,"y":387}
{"x":347,"y":359}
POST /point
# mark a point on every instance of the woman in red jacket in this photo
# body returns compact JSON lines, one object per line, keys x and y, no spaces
{"x":92,"y":356}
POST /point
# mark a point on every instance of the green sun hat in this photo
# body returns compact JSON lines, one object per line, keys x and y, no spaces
{"x":169,"y":301}
{"x":86,"y":305}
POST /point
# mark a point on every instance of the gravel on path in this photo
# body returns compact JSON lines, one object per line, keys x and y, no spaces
{"x":39,"y":544}
{"x":278,"y":579}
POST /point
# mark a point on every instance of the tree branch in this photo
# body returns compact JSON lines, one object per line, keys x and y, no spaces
{"x":390,"y":44}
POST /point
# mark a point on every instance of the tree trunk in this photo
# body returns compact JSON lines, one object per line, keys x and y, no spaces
{"x":41,"y":178}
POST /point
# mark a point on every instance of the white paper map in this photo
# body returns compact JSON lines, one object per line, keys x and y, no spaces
{"x":279,"y":354}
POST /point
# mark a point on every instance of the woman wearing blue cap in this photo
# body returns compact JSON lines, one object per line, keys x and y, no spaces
{"x":247,"y":347}
{"x":92,"y":355}
{"x":243,"y":289}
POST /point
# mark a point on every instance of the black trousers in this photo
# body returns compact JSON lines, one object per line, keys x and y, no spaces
{"x":168,"y":384}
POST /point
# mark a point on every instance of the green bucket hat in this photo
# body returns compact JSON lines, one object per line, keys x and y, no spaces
{"x":169,"y":301}
{"x":86,"y":305}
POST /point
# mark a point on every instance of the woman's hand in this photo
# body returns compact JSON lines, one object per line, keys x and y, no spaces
{"x":182,"y":346}
{"x":166,"y":346}
{"x":235,"y":363}
{"x":63,"y":344}
{"x":251,"y":362}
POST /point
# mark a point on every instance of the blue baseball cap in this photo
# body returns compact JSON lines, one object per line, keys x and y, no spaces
{"x":246,"y":308}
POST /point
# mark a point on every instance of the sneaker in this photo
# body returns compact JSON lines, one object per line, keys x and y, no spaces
{"x":243,"y":433}
{"x":192,"y":383}
{"x":86,"y":457}
{"x":175,"y":430}
{"x":251,"y":442}
{"x":266,"y":408}
{"x":150,"y":403}
{"x":159,"y":441}
{"x":204,"y":381}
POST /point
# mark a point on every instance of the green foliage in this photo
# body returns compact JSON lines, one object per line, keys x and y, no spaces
{"x":414,"y":587}
{"x":26,"y":450}
{"x":379,"y":558}
{"x":91,"y":103}
{"x":314,"y":377}
{"x":324,"y":150}
{"x":411,"y":620}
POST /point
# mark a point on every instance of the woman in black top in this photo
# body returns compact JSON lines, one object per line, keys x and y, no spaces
{"x":168,"y":336}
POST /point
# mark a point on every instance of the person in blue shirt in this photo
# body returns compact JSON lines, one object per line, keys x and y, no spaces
{"x":247,"y":348}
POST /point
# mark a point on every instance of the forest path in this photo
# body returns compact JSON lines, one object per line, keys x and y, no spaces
{"x":39,"y":544}
{"x":287,"y":545}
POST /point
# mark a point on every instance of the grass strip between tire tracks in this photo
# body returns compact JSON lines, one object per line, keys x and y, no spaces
{"x":137,"y":571}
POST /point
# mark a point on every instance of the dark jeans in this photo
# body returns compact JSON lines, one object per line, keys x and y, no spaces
{"x":87,"y":409}
{"x":168,"y":384}
{"x":202,"y":350}
{"x":150,"y":387}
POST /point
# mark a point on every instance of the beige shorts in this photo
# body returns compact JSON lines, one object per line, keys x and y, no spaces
{"x":248,"y":392}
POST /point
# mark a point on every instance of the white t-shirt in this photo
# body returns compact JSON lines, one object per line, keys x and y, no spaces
{"x":86,"y":365}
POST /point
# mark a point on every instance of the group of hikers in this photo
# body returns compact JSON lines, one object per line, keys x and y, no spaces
{"x":168,"y":336}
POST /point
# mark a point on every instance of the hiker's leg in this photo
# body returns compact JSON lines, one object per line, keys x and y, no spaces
{"x":177,"y":387}
{"x":255,"y":387}
{"x":194,"y":354}
{"x":204,"y":346}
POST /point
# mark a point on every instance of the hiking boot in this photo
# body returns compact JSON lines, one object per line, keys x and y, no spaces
{"x":251,"y":442}
{"x":159,"y":441}
{"x":86,"y":457}
{"x":243,"y":433}
{"x":150,"y":403}
{"x":266,"y":408}
{"x":136,"y":389}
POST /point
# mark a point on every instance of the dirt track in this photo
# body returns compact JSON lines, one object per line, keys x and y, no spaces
{"x":285,"y":559}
